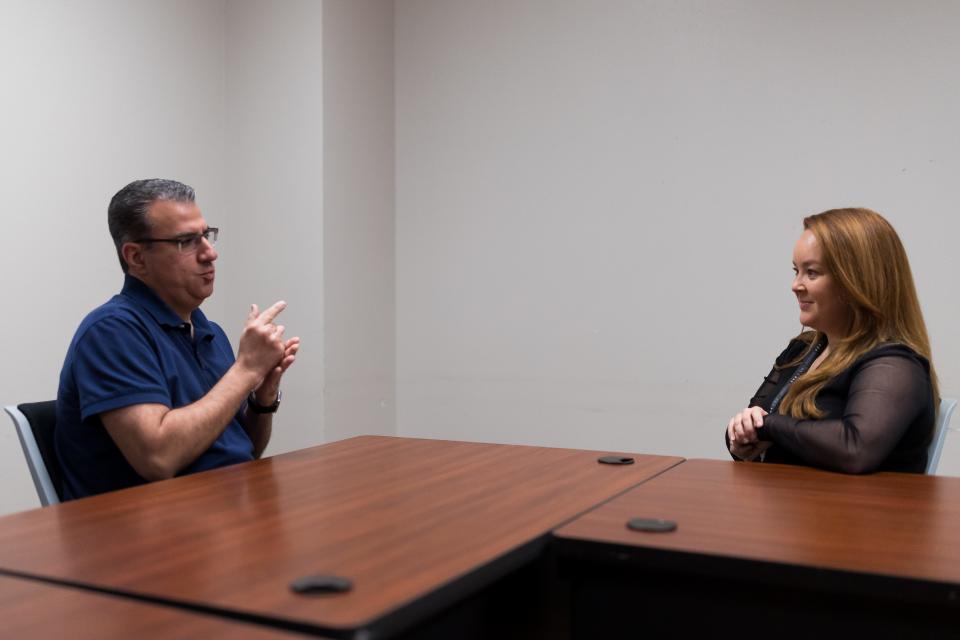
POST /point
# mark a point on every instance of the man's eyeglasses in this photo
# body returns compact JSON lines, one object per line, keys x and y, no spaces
{"x":189,"y":243}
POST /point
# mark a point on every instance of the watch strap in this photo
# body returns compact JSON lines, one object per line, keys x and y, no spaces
{"x":258,"y":408}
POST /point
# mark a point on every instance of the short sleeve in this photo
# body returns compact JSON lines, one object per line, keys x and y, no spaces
{"x":116,"y":365}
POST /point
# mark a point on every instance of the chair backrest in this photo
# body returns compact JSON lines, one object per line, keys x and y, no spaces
{"x":947,"y":405}
{"x":35,"y":422}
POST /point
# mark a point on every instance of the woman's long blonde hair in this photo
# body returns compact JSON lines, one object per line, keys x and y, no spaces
{"x":866,"y":259}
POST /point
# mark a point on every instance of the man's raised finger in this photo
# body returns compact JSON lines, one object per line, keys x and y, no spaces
{"x":273,"y":311}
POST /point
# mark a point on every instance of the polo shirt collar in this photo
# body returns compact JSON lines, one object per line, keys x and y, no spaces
{"x":138,"y":291}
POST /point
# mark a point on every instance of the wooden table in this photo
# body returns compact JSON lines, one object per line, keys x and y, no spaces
{"x":776,"y":550}
{"x":31,"y":609}
{"x":417,"y":525}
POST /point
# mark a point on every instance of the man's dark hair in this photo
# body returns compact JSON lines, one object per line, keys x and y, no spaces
{"x":127,"y":213}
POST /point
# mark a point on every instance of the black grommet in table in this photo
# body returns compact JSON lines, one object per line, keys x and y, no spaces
{"x":616,"y":460}
{"x":651,"y":525}
{"x":321,"y":583}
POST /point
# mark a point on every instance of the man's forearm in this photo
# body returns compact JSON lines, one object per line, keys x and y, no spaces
{"x":197,"y":425}
{"x":259,"y":427}
{"x":159,"y":442}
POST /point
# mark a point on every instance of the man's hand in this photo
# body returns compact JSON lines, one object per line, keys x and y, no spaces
{"x":264,"y":351}
{"x":262,"y":348}
{"x":267,"y":392}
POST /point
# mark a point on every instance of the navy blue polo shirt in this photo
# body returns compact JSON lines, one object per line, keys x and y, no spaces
{"x":135,"y":350}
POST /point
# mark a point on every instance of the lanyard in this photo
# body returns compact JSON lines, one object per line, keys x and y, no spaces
{"x":801,"y":369}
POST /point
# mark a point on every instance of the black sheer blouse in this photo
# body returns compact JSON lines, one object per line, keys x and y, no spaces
{"x":879,"y":414}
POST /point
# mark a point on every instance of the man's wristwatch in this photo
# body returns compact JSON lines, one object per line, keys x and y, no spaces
{"x":256,"y":407}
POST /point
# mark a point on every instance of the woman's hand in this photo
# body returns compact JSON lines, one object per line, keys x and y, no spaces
{"x":742,"y":433}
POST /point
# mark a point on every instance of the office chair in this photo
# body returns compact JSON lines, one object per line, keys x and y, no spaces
{"x":35,"y":422}
{"x":947,"y":405}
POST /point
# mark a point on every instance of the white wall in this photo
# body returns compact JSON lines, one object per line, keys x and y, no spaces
{"x":94,"y":95}
{"x":273,"y":176}
{"x":597,"y":203}
{"x":358,"y":249}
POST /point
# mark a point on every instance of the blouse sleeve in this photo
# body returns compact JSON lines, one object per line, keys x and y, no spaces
{"x":761,"y":398}
{"x":886,"y":395}
{"x":771,"y":383}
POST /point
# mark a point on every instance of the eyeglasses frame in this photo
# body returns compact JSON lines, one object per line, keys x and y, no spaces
{"x":190,"y":237}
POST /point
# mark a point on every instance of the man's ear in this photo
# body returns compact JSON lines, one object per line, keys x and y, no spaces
{"x":132,"y":253}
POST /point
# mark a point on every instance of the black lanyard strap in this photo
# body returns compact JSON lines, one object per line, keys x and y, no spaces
{"x":801,"y":369}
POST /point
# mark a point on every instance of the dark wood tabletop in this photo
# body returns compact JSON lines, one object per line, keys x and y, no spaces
{"x":411,"y":522}
{"x":31,"y":609}
{"x":899,"y":526}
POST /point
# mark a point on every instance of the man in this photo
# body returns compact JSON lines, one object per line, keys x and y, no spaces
{"x":150,"y":388}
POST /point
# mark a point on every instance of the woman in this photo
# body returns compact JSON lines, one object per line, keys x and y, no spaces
{"x":858,"y":393}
